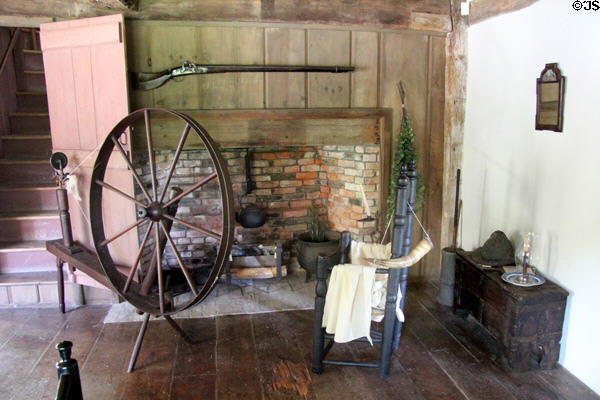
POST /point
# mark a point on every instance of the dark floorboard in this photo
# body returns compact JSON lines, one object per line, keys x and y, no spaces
{"x":441,"y":356}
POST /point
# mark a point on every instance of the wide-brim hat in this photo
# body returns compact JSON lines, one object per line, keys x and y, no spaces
{"x":496,"y":251}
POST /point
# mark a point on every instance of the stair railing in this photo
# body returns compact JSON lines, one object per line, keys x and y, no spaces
{"x":13,"y":41}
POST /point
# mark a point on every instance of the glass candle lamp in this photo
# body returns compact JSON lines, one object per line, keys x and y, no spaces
{"x":527,"y":256}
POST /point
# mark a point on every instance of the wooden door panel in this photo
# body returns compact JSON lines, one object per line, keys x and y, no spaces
{"x":62,"y":93}
{"x":86,"y":72}
{"x":84,"y":94}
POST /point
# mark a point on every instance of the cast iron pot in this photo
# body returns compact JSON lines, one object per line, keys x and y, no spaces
{"x":308,"y":251}
{"x":251,"y":217}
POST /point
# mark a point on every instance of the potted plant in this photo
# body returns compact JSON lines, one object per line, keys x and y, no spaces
{"x":315,"y":242}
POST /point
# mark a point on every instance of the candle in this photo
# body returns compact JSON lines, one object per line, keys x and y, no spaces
{"x":364,"y":199}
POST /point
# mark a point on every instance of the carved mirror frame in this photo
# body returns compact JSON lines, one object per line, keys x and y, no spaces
{"x":550,"y":91}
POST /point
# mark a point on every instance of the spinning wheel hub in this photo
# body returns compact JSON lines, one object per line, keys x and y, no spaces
{"x":155,"y":211}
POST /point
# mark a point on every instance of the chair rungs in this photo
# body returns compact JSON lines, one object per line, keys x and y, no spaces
{"x":351,"y":363}
{"x":363,"y":339}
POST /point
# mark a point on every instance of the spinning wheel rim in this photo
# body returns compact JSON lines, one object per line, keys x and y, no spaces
{"x":154,"y":303}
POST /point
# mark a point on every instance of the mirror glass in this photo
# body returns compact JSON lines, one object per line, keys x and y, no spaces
{"x":550,"y":90}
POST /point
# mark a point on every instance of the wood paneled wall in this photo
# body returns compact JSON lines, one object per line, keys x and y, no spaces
{"x":382,"y":58}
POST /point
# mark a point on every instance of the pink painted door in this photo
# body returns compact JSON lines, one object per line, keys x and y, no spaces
{"x":86,"y":82}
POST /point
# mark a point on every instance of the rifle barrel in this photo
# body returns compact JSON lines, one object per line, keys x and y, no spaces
{"x":148,"y":81}
{"x":215,"y":69}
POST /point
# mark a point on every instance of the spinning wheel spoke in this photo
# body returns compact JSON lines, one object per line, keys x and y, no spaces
{"x":137,"y":259}
{"x":131,"y":167}
{"x":125,"y":195}
{"x":194,"y":227}
{"x":118,"y":235}
{"x":150,"y":151}
{"x":161,"y":294}
{"x":198,"y":184}
{"x":186,"y":273}
{"x":182,"y":139}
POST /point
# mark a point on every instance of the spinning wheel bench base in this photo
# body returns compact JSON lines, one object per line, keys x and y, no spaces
{"x":79,"y":258}
{"x":87,"y":262}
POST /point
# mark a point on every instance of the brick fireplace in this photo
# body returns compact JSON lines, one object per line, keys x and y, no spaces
{"x":288,"y":181}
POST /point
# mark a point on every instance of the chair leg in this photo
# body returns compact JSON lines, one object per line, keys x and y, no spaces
{"x":318,"y":332}
{"x":398,"y":328}
{"x":389,"y":323}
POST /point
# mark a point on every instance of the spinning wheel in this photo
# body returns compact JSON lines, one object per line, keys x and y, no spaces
{"x":144,"y":285}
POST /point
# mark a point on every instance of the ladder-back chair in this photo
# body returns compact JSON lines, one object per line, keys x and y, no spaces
{"x":389,"y":337}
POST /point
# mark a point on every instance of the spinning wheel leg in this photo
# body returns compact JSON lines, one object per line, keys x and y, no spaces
{"x":142,"y":332}
{"x":138,"y":343}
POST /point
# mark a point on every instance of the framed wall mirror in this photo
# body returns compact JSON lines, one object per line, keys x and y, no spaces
{"x":550,"y":96}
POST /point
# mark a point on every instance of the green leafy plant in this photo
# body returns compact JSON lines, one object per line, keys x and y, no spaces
{"x":316,"y":227}
{"x":404,"y":153}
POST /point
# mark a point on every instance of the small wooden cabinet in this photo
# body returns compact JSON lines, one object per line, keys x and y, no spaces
{"x":526,"y":322}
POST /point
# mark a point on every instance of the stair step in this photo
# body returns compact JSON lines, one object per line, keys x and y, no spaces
{"x":25,"y":256}
{"x":24,"y":215}
{"x":24,"y":137}
{"x":22,"y":246}
{"x":29,"y":61}
{"x":24,"y":161}
{"x":28,"y":114}
{"x":29,"y":123}
{"x":25,"y":171}
{"x":32,"y":101}
{"x":28,"y":198}
{"x":31,"y":51}
{"x":22,"y":145}
{"x":29,"y":81}
{"x":30,"y":186}
{"x":28,"y":278}
{"x":23,"y":228}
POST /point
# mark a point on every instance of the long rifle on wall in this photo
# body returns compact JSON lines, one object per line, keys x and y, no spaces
{"x":149,"y":81}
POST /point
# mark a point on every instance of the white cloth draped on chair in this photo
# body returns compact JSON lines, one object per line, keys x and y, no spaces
{"x":356,"y":294}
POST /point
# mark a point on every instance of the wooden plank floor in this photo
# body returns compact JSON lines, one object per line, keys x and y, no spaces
{"x":442,"y":356}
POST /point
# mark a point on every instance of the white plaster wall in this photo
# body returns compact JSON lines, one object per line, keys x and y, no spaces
{"x":517,"y":179}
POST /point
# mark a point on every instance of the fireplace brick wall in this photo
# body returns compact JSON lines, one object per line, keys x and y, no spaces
{"x":289,"y":180}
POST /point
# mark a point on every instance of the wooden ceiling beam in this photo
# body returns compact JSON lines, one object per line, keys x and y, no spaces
{"x":118,"y":5}
{"x":431,"y":15}
{"x":485,"y":9}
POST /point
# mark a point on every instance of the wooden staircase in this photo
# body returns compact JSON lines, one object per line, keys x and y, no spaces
{"x":28,"y":209}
